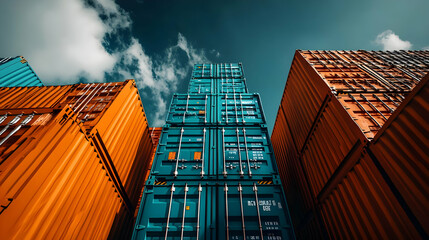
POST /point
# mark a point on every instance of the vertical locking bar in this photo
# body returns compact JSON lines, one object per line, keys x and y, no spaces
{"x":226,"y":107}
{"x":205,"y":110}
{"x":184,"y":211}
{"x":255,"y":189}
{"x":235,"y":102}
{"x":169,"y":210}
{"x":186,"y":109}
{"x":247,"y":153}
{"x":24,"y":122}
{"x":2,"y":118}
{"x":240,"y":190}
{"x":226,"y":211}
{"x":223,"y":148}
{"x":239,"y":152}
{"x":178,"y":152}
{"x":202,"y":158}
{"x":200,"y":189}
{"x":242,"y":113}
{"x":12,"y":122}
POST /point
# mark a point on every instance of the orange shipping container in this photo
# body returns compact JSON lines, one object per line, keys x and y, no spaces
{"x":333,"y":105}
{"x":72,"y":161}
{"x":401,"y":148}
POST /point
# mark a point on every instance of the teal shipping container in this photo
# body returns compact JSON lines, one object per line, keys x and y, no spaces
{"x":214,"y":174}
{"x":16,"y":72}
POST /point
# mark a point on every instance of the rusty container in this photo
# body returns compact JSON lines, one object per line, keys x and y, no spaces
{"x":72,"y":160}
{"x":400,"y":150}
{"x":334,"y":107}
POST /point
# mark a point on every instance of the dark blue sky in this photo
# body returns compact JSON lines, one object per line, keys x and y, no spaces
{"x":264,"y":35}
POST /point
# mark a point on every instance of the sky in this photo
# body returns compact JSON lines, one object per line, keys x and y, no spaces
{"x":156,"y":42}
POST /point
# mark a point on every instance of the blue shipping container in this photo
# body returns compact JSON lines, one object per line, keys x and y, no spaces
{"x":16,"y":72}
{"x":213,"y":210}
{"x":220,"y":70}
{"x":214,"y":175}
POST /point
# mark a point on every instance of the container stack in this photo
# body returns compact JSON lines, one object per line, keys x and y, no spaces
{"x":214,"y":175}
{"x":16,"y":72}
{"x":72,"y":160}
{"x":351,"y":141}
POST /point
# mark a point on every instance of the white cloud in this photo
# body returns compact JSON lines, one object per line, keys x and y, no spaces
{"x":64,"y":41}
{"x":161,"y":76}
{"x":61,"y":38}
{"x":390,"y":41}
{"x":426,"y":48}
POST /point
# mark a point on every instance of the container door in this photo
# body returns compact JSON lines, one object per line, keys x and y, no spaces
{"x":253,"y":211}
{"x":182,"y":151}
{"x":175,"y":211}
{"x":189,"y":109}
{"x":240,"y":109}
{"x":201,"y":86}
{"x":245,"y":152}
{"x":203,"y":71}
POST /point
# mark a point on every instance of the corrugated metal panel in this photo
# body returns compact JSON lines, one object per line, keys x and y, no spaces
{"x":372,"y":84}
{"x":334,"y":103}
{"x":214,"y":135}
{"x":16,"y":72}
{"x":332,"y":139}
{"x":401,"y":148}
{"x":290,"y":171}
{"x":213,"y":211}
{"x":221,"y":70}
{"x":363,"y":207}
{"x":38,"y":190}
{"x":239,"y":109}
{"x":117,"y":142}
{"x":31,"y":97}
{"x":191,"y":109}
{"x":302,"y":99}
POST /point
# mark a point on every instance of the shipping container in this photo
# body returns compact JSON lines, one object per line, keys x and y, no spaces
{"x":246,"y":153}
{"x":190,"y":109}
{"x":231,"y":85}
{"x":400,"y":149}
{"x":64,"y":175}
{"x":239,"y":109}
{"x":214,"y":175}
{"x":183,"y":152}
{"x":213,"y":210}
{"x":16,"y":72}
{"x":202,"y":86}
{"x":217,"y":71}
{"x":220,"y":85}
{"x":333,"y":106}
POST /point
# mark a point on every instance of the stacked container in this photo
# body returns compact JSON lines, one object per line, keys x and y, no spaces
{"x":72,"y":160}
{"x":214,"y":175}
{"x":333,"y":107}
{"x":16,"y":72}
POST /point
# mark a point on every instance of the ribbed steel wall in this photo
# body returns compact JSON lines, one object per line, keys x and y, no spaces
{"x":16,"y":72}
{"x":72,"y":160}
{"x":214,"y":175}
{"x":347,"y":182}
